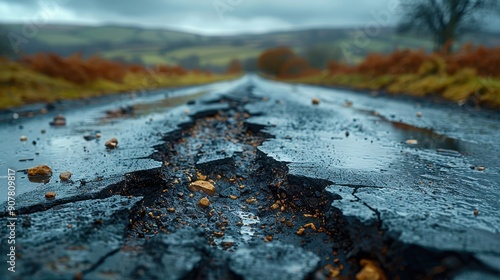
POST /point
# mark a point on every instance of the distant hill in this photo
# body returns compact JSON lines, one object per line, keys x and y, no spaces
{"x":153,"y":46}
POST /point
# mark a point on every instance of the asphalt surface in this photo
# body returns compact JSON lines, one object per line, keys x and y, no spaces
{"x":378,"y":203}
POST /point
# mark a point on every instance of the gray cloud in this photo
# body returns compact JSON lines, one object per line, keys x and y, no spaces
{"x":202,"y":16}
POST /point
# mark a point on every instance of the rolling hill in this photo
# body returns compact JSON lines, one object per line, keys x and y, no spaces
{"x":153,"y":46}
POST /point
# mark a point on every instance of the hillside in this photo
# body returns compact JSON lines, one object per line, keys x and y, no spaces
{"x":152,"y":46}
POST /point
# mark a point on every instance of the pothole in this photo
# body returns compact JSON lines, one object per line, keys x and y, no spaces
{"x":257,"y":201}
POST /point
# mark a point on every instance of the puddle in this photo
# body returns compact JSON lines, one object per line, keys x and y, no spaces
{"x":248,"y":219}
{"x":426,"y":138}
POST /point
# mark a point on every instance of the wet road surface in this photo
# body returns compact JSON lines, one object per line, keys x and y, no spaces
{"x":319,"y":190}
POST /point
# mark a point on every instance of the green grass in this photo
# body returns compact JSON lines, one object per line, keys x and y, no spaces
{"x":108,"y":34}
{"x":62,"y":38}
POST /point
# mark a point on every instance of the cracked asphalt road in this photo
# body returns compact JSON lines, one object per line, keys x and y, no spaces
{"x":343,"y":165}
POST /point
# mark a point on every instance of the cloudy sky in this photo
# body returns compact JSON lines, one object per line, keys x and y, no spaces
{"x":203,"y":16}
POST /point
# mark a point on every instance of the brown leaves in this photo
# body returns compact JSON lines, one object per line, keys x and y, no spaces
{"x":81,"y":70}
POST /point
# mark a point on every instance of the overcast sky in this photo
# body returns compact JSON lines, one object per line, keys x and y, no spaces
{"x":203,"y":16}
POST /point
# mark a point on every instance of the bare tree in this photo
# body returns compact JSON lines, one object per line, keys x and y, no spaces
{"x":444,"y":19}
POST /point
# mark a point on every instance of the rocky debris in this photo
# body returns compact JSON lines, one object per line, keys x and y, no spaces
{"x":111,"y":143}
{"x":58,"y":120}
{"x":315,"y":101}
{"x":419,"y":114}
{"x":204,"y":202}
{"x":50,"y":195}
{"x":273,"y":260}
{"x":203,"y":186}
{"x":480,"y":168}
{"x":40,"y":170}
{"x":98,"y":135}
{"x":476,"y":212}
{"x":65,"y":175}
{"x":23,"y":138}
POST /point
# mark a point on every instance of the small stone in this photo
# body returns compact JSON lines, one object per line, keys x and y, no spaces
{"x":40,"y":170}
{"x":480,"y":168}
{"x":43,"y":110}
{"x":24,"y":138}
{"x":218,"y":233}
{"x":58,"y":123}
{"x":171,"y":210}
{"x":50,"y":195}
{"x":315,"y":101}
{"x":203,"y":186}
{"x":301,"y":231}
{"x":70,"y":226}
{"x":97,"y":135}
{"x":275,"y":206}
{"x":250,"y":200}
{"x":65,"y":176}
{"x":233,"y":197}
{"x":411,"y":142}
{"x":43,"y":131}
{"x":111,"y":143}
{"x":200,"y":176}
{"x":242,"y":187}
{"x":348,"y":103}
{"x":59,"y":120}
{"x":89,"y":137}
{"x":370,"y":271}
{"x":239,"y":224}
{"x":311,"y":226}
{"x":204,"y":202}
{"x":419,"y":114}
{"x":268,"y":238}
{"x":476,"y":212}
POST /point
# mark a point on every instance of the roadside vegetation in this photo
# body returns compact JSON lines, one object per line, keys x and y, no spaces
{"x":470,"y":74}
{"x":49,"y":77}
